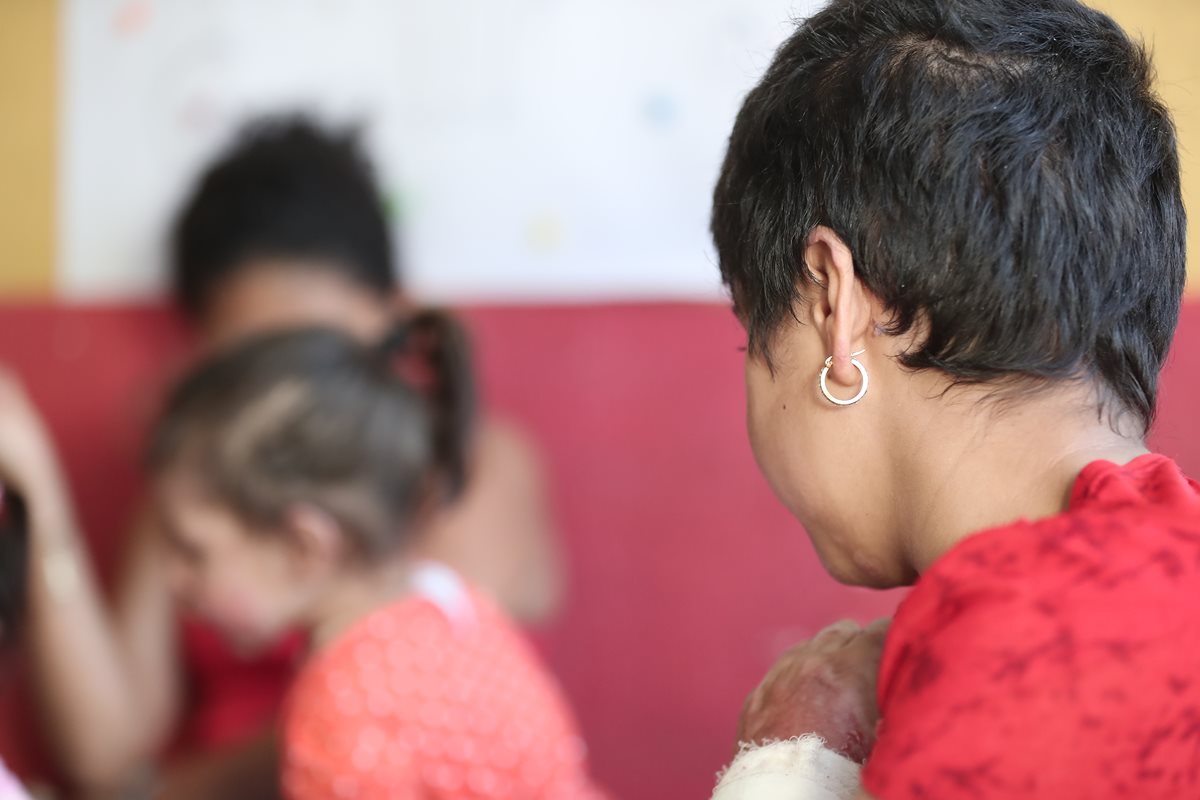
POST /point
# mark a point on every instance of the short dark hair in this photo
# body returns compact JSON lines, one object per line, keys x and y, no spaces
{"x":368,"y":432}
{"x":1001,"y":170}
{"x":286,"y":188}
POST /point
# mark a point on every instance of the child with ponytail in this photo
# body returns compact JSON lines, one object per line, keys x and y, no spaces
{"x":293,"y":474}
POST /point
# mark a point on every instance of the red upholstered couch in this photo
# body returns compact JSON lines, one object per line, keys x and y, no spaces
{"x":686,"y":577}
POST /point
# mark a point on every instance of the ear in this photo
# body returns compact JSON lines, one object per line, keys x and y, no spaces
{"x":317,"y":539}
{"x":840,"y":307}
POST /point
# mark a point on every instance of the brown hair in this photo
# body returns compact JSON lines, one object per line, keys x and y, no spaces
{"x":369,"y":433}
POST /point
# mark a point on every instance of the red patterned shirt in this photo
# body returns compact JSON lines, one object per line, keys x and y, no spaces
{"x":1056,"y":659}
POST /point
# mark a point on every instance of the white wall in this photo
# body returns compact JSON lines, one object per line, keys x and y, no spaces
{"x":539,"y":149}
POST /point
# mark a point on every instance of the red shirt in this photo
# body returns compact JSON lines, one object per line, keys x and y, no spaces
{"x":431,"y":698}
{"x":1056,"y":659}
{"x":231,"y":697}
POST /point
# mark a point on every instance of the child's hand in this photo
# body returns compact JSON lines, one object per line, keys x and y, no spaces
{"x":28,"y":462}
{"x":825,"y":686}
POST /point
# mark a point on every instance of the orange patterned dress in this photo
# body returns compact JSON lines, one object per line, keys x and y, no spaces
{"x":434,"y":696}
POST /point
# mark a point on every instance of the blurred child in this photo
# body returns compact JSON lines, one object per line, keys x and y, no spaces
{"x":294,"y":478}
{"x":287,"y":228}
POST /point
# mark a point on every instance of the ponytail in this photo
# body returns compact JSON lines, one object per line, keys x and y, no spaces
{"x":431,"y":351}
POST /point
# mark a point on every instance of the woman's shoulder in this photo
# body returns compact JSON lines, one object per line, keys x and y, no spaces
{"x":1122,"y":520}
{"x":1081,"y":561}
{"x":1095,"y":607}
{"x":1120,"y":564}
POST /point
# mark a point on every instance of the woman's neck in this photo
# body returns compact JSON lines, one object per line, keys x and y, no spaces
{"x":963,"y":472}
{"x":355,"y":594}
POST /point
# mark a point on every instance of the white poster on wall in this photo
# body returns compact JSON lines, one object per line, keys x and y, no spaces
{"x":533,"y":150}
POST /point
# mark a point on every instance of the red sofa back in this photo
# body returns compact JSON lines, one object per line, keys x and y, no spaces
{"x":686,"y":576}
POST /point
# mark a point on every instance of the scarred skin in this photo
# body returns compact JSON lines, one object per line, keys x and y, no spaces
{"x":824,"y":686}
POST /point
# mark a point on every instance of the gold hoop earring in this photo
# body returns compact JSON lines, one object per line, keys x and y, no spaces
{"x":854,"y":362}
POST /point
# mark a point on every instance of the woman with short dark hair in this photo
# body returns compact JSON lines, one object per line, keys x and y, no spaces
{"x":954,"y":233}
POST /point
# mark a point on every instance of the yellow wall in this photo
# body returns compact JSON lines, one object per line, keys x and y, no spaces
{"x":28,"y":102}
{"x":1171,"y":28}
{"x":28,"y":99}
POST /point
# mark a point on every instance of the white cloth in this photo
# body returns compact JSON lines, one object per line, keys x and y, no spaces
{"x":442,"y":586}
{"x":793,"y":769}
{"x":10,"y":787}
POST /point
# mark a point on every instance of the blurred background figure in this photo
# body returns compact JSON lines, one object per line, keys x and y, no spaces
{"x":551,"y":168}
{"x":286,"y":229}
{"x":295,"y":476}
